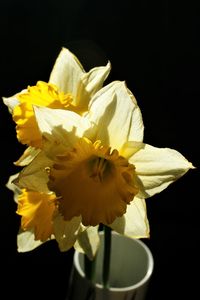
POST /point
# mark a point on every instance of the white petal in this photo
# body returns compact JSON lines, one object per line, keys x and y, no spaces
{"x":66,"y":231}
{"x":117,"y":115}
{"x":61,"y":126}
{"x":134,"y":222}
{"x":88,"y":242}
{"x":26,"y":241}
{"x":34,"y":176}
{"x":157,"y":168}
{"x":11,"y":186}
{"x":67,"y":72}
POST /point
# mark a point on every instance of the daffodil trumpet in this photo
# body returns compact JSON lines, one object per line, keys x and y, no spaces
{"x":69,"y":87}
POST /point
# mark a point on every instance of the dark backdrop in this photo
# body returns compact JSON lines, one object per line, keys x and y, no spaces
{"x":154,"y":47}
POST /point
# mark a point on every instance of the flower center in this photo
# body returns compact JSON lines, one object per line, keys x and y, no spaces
{"x":94,"y":182}
{"x":100,"y":168}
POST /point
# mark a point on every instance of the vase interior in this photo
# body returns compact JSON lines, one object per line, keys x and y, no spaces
{"x":130,"y":262}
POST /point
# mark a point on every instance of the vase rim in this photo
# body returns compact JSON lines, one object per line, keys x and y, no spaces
{"x":141,"y":282}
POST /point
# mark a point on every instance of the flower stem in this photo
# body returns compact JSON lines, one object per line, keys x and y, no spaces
{"x":89,"y":267}
{"x":106,"y":257}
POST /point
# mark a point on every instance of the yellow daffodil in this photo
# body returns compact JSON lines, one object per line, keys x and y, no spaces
{"x":69,"y":87}
{"x":37,"y":211}
{"x":98,"y":170}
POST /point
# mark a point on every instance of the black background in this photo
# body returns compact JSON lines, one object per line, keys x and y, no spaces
{"x":153,"y":46}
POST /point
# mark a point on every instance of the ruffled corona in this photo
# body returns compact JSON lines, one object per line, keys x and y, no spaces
{"x":94,"y":182}
{"x":43,"y":94}
{"x":37,"y":210}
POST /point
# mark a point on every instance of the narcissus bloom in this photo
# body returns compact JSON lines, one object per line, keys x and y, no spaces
{"x":69,"y":87}
{"x":94,"y":169}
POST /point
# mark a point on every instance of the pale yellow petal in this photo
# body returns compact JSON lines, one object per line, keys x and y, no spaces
{"x":156,"y":168}
{"x":13,"y":101}
{"x":90,"y":83}
{"x":137,"y":127}
{"x":66,"y":231}
{"x":88,"y":242}
{"x":67,"y":72}
{"x":134,"y":222}
{"x":94,"y":79}
{"x":35,"y":176}
{"x":130,"y":148}
{"x":60,"y":126}
{"x":117,"y":115}
{"x":11,"y":186}
{"x":29,"y":154}
{"x":70,"y":77}
{"x":26,"y":241}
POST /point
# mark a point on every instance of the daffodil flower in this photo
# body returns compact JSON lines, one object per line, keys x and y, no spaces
{"x":94,"y":169}
{"x":69,"y":87}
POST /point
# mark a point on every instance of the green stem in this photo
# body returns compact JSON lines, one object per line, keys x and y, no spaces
{"x":106,"y":257}
{"x":89,"y":267}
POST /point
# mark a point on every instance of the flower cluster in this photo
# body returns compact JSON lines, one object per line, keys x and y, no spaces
{"x":85,"y":163}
